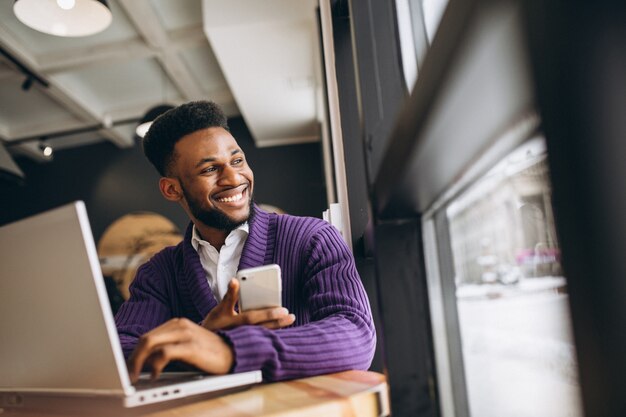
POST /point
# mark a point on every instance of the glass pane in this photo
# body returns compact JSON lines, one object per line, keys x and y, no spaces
{"x":433,"y":11}
{"x":511,"y":294}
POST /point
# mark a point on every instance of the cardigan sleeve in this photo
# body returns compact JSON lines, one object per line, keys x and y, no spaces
{"x":340,"y":335}
{"x":146,"y":308}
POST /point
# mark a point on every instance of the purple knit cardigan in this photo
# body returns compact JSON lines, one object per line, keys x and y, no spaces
{"x":333,"y":329}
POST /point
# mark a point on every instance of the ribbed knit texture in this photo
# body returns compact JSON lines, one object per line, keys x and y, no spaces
{"x":333,"y":329}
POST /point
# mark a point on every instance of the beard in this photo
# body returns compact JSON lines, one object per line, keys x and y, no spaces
{"x":215,"y":217}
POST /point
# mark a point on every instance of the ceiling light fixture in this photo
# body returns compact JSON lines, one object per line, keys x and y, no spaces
{"x":148,"y":118}
{"x":46,"y":149}
{"x":68,"y":18}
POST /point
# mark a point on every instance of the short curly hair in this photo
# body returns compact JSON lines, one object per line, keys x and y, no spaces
{"x":171,"y":126}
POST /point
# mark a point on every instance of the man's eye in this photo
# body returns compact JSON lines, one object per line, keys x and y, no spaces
{"x":237,"y":161}
{"x":209,"y":169}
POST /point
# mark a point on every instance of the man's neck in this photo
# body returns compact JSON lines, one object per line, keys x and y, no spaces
{"x":215,"y":237}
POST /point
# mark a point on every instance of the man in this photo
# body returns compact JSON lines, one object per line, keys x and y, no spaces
{"x":182,"y":305}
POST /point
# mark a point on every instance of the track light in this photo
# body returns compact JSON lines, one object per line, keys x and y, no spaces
{"x":68,"y":18}
{"x":46,"y":150}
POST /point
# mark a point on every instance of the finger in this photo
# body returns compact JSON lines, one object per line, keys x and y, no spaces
{"x":166,"y":354}
{"x":207,"y":352}
{"x":157,"y":361}
{"x":232,"y":295}
{"x":280,"y":323}
{"x":287,"y":321}
{"x":263,"y":315}
{"x":173,"y":331}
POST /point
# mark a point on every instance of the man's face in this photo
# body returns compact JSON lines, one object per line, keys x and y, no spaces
{"x":215,"y":178}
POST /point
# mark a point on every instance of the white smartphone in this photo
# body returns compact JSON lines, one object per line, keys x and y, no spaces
{"x":260,"y":287}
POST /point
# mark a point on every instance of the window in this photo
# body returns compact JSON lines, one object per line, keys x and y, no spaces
{"x":418,"y":21}
{"x":511,"y":296}
{"x":433,"y":11}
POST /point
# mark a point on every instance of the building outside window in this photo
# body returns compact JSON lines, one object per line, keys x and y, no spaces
{"x":511,"y":294}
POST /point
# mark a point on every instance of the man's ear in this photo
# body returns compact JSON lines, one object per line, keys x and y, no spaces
{"x":170,"y":188}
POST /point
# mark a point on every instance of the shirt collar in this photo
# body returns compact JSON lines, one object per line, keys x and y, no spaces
{"x":196,"y":239}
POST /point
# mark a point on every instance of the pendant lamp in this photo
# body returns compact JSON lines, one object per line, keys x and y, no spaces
{"x":68,"y":18}
{"x":148,"y":118}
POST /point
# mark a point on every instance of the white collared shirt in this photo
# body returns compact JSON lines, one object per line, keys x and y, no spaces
{"x":220,"y":266}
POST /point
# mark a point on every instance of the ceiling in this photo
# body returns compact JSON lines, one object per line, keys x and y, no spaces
{"x":256,"y":58}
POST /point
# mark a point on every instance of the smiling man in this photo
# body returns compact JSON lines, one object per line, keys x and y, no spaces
{"x":183,"y":302}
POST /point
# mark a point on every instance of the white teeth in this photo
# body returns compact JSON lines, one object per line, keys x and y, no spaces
{"x":236,"y":197}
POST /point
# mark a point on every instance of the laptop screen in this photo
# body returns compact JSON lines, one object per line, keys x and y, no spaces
{"x":58,"y":333}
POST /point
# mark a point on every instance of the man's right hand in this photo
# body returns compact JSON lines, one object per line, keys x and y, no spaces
{"x":183,"y":340}
{"x":225,"y":317}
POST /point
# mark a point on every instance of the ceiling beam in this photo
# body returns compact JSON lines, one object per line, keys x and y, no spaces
{"x":223,"y":97}
{"x":84,"y":56}
{"x":56,"y":91}
{"x":8,"y":73}
{"x":296,"y":140}
{"x":119,"y":139}
{"x":84,"y":113}
{"x":4,"y":133}
{"x":147,"y":23}
{"x":38,"y":130}
{"x":76,"y":58}
{"x":188,"y":37}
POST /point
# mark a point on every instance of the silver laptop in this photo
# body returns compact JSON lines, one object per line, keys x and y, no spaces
{"x":57,"y":333}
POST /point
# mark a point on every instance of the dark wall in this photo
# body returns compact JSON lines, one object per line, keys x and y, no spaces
{"x":290,"y":177}
{"x":114,"y":182}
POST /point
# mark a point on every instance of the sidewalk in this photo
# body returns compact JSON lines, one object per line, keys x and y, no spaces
{"x":524,"y":286}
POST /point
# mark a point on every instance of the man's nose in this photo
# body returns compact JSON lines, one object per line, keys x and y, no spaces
{"x":230,"y":176}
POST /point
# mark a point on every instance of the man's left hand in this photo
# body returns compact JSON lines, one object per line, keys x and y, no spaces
{"x":224,"y":316}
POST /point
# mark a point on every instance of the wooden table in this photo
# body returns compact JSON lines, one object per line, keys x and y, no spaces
{"x":344,"y":394}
